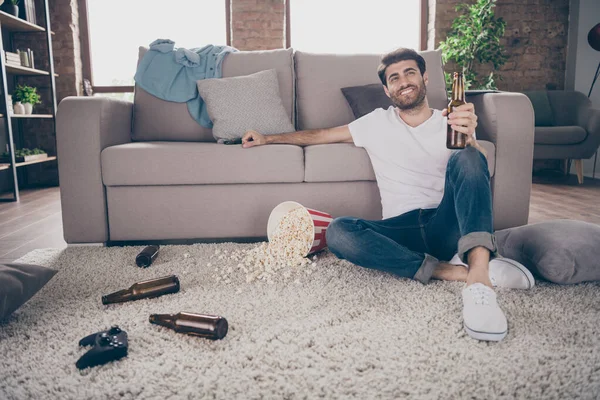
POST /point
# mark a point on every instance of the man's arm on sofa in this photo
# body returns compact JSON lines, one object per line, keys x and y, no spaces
{"x":339,"y":134}
{"x":507,"y":120}
{"x":84,"y":127}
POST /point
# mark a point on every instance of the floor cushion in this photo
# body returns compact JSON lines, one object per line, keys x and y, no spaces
{"x":20,"y":282}
{"x":560,"y":251}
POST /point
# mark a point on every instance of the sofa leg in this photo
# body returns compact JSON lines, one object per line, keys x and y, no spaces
{"x":579,"y":168}
{"x":566,"y":164}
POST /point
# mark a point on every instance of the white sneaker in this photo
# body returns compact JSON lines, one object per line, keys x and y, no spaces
{"x":505,"y":273}
{"x":482,"y":318}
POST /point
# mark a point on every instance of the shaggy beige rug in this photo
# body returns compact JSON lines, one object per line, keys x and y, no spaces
{"x":329,"y":330}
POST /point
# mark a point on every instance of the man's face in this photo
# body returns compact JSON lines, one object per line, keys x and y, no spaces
{"x":405,"y":85}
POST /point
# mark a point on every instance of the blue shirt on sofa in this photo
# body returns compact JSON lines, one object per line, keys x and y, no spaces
{"x":171,"y":74}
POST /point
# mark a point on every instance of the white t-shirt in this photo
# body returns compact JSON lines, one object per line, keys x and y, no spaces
{"x":409,"y":163}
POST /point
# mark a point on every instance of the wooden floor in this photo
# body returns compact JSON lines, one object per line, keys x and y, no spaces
{"x":556,"y":196}
{"x":35,"y":222}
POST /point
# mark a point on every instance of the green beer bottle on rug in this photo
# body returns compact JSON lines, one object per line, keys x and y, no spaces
{"x":206,"y":326}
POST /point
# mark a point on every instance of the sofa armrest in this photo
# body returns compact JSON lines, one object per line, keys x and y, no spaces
{"x":84,"y":127}
{"x":507,"y":120}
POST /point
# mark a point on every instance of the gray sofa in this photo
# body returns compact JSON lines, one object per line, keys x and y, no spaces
{"x":566,"y":126}
{"x":146,"y":171}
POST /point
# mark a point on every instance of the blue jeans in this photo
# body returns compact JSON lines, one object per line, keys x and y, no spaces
{"x":411,"y":245}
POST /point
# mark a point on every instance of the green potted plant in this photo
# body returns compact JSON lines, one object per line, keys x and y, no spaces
{"x":474,"y":41}
{"x":24,"y":154}
{"x":14,"y":7}
{"x":26,"y":95}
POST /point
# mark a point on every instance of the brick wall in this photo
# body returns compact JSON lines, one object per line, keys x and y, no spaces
{"x":67,"y":48}
{"x":535,"y":40}
{"x":258,"y":24}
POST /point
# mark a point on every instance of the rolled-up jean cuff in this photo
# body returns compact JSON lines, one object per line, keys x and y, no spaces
{"x":424,"y":273}
{"x":477,"y":239}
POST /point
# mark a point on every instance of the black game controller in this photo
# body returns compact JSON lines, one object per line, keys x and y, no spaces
{"x":108,"y":346}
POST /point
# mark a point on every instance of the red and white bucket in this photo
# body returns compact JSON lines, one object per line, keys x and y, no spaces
{"x":320,"y":219}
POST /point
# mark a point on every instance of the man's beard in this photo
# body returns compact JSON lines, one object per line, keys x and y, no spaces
{"x":414,"y":101}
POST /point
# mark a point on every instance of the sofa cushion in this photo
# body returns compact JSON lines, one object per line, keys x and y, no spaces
{"x":18,"y":283}
{"x":541,"y":107}
{"x":366,"y":98}
{"x":242,"y":103}
{"x":559,"y":134}
{"x":155,"y":119}
{"x":340,"y":162}
{"x":337,"y":162}
{"x":176,"y":163}
{"x":320,"y":77}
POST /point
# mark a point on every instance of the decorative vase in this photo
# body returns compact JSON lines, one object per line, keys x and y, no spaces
{"x":19,"y":108}
{"x":14,"y":10}
{"x":28,"y":108}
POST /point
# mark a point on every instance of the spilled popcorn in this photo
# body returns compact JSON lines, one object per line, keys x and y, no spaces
{"x":283,"y":256}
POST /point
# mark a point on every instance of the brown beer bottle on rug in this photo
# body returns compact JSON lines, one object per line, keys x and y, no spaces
{"x":147,"y":256}
{"x":454,"y":139}
{"x":144,"y":290}
{"x":206,"y":326}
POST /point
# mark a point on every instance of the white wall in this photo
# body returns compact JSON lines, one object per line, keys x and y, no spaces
{"x":582,"y":60}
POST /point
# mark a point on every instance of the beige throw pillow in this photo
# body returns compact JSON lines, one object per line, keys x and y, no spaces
{"x":242,"y":103}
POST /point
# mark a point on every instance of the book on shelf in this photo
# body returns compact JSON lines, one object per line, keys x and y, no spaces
{"x":33,"y":13}
{"x":25,"y":58}
{"x":30,"y":57}
{"x":12,"y":58}
{"x":30,"y":11}
{"x":11,"y":110}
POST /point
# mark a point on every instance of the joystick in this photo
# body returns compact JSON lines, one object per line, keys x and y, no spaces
{"x":108,"y":345}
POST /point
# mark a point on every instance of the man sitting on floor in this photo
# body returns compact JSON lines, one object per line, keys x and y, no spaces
{"x":436,"y":202}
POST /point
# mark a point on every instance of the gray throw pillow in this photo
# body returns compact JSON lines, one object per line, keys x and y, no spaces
{"x":560,"y":251}
{"x":364,"y":99}
{"x":20,"y":282}
{"x":541,"y":107}
{"x":242,"y":103}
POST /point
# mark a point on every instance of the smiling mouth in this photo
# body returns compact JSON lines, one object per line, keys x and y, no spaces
{"x":406,"y":91}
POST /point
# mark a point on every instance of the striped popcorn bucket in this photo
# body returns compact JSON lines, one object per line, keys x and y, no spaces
{"x":320,"y":219}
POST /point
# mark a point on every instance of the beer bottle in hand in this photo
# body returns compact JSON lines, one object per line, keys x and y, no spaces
{"x":144,"y":290}
{"x":454,"y":139}
{"x":206,"y":326}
